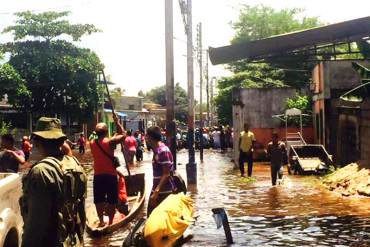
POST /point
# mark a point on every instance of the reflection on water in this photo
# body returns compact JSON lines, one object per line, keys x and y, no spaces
{"x":297,"y":213}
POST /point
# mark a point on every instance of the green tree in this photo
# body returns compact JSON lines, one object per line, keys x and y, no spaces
{"x":48,"y":25}
{"x":61,"y":77}
{"x":13,"y":86}
{"x":158,"y":95}
{"x":303,"y":103}
{"x":258,"y":22}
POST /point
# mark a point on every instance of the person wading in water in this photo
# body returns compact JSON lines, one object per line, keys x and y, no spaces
{"x":246,"y":143}
{"x":276,"y":152}
{"x":163,"y":184}
{"x":105,"y":183}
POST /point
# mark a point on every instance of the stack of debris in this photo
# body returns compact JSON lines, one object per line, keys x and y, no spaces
{"x":353,"y":179}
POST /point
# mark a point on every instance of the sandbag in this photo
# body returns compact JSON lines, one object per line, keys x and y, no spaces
{"x":169,"y":220}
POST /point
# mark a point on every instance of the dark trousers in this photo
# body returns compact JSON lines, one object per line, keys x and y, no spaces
{"x":81,"y":149}
{"x":246,"y":157}
{"x":26,"y":155}
{"x":275,"y":173}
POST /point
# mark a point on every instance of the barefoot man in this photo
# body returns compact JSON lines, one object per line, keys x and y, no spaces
{"x":105,"y":184}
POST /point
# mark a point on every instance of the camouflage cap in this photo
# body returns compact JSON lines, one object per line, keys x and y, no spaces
{"x":49,"y":128}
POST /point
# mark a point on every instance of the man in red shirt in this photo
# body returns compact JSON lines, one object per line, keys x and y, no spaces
{"x":105,"y":184}
{"x":26,"y":147}
{"x":81,"y":144}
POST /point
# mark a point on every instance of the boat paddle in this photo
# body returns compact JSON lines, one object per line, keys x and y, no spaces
{"x":111,"y":103}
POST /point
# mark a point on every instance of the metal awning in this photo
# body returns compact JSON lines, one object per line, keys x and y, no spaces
{"x":358,"y":94}
{"x":120,"y":114}
{"x":344,"y":32}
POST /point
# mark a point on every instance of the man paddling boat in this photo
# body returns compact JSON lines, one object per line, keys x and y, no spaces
{"x":105,"y":184}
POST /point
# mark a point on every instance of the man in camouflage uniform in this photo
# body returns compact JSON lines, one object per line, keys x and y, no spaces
{"x":44,"y":201}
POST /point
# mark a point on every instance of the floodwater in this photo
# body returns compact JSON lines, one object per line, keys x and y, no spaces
{"x":299,"y":212}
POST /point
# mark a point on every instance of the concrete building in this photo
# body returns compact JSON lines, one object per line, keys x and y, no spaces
{"x":256,"y":107}
{"x":128,"y":103}
{"x":342,"y":126}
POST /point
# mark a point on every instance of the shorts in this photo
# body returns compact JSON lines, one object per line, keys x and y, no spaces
{"x":105,"y":187}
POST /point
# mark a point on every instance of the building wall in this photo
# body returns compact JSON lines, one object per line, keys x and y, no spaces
{"x":331,"y":79}
{"x":261,"y":104}
{"x":129,"y":103}
{"x":256,"y":107}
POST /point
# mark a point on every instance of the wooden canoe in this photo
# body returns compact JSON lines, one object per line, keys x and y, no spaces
{"x":135,"y":186}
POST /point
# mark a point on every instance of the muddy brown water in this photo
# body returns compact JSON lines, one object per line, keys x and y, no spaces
{"x":300,"y":212}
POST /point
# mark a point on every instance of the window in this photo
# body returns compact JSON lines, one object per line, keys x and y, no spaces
{"x":131,"y":107}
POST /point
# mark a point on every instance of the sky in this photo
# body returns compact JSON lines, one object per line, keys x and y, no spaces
{"x":132,"y":42}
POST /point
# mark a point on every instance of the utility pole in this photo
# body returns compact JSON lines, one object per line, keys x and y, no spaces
{"x":191,"y":167}
{"x":200,"y":58}
{"x":170,"y":98}
{"x":212,"y":110}
{"x":207,"y":86}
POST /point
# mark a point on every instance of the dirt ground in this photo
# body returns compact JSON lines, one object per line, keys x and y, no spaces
{"x":85,"y":159}
{"x":353,"y":179}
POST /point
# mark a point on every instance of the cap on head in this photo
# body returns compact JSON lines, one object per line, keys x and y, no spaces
{"x":49,"y":128}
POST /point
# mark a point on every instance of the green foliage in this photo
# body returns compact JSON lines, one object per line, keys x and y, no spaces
{"x":364,"y":47}
{"x":303,"y":103}
{"x":223,"y":101}
{"x":248,"y":180}
{"x":258,"y":22}
{"x":300,"y":102}
{"x":12,"y":85}
{"x":59,"y":77}
{"x":6,"y":128}
{"x":158,"y":95}
{"x":47,"y":25}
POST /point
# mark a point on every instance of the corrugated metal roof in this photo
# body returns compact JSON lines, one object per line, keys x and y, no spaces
{"x":352,"y":30}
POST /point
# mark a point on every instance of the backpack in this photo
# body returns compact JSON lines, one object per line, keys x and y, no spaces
{"x":71,"y":204}
{"x":179,"y":182}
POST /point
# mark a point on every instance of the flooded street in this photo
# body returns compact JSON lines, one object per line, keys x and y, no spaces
{"x":300,"y":212}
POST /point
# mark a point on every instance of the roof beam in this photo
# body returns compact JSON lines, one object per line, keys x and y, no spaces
{"x":348,"y":31}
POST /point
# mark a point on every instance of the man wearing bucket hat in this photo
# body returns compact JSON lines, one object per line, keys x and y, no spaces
{"x":53,"y":209}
